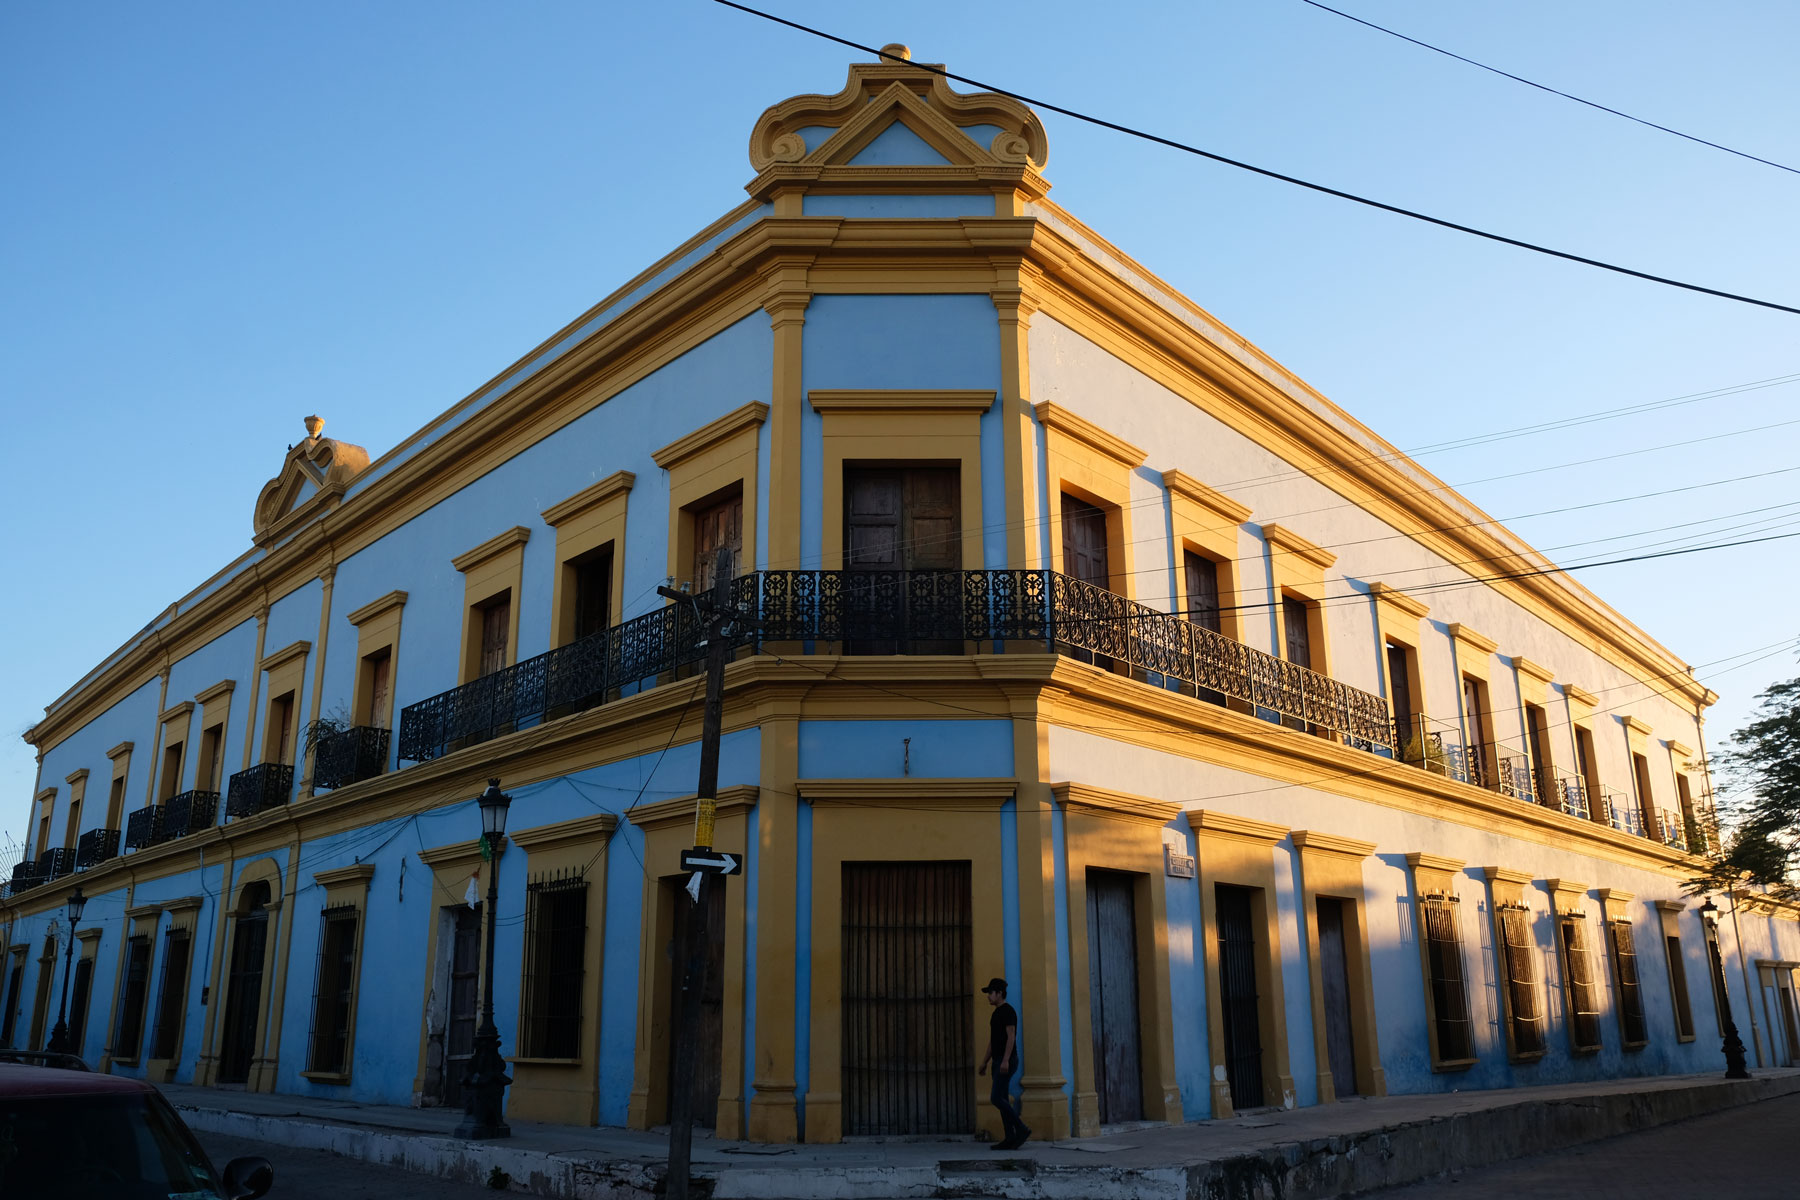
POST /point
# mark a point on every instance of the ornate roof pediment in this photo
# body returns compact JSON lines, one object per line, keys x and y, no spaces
{"x":312,"y":481}
{"x":945,"y":137}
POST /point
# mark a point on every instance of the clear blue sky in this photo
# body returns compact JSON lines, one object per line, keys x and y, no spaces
{"x":221,"y":217}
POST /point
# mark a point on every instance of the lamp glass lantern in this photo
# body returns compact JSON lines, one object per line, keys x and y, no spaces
{"x":77,"y":905}
{"x":494,"y":804}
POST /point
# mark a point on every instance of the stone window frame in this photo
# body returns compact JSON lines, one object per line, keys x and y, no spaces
{"x":1085,"y":461}
{"x":1681,"y":1000}
{"x":377,"y":625}
{"x":1569,"y":901}
{"x":1436,"y":875}
{"x":590,"y":520}
{"x":1615,"y":907}
{"x":1208,"y":523}
{"x":183,"y":914}
{"x":703,"y":467}
{"x":1506,"y":889}
{"x":345,"y":887}
{"x":493,"y":569}
{"x":1331,"y":868}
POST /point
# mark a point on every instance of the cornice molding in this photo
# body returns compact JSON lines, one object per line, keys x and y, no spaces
{"x":47,"y":794}
{"x":1115,"y":805}
{"x":594,"y":827}
{"x":142,"y":911}
{"x":455,"y":853}
{"x":121,"y":748}
{"x":499,"y":544}
{"x":176,"y":712}
{"x":1217,"y":502}
{"x":1567,"y":895}
{"x":285,"y":655}
{"x":1579,"y":695}
{"x":1672,"y":906}
{"x":1392,"y":596}
{"x":218,"y":690}
{"x":1680,"y":749}
{"x":1289,"y":542}
{"x":1636,"y":725}
{"x":1506,"y":875}
{"x":663,"y":814}
{"x":1331,"y":843}
{"x":1473,"y":640}
{"x":1054,"y":416}
{"x":617,"y":484}
{"x":79,"y":775}
{"x":747,"y":416}
{"x":376,"y":607}
{"x":913,"y":400}
{"x":1211,"y":822}
{"x":1525,"y":666}
{"x":182,"y":906}
{"x":906,"y":792}
{"x":1434,"y":862}
{"x":339,"y":876}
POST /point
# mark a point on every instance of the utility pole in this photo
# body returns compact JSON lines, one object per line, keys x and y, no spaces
{"x":719,"y":615}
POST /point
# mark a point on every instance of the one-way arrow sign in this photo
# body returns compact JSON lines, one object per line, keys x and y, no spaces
{"x":716,"y":861}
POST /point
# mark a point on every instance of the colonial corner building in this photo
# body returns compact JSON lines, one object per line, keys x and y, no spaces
{"x":1087,"y":647}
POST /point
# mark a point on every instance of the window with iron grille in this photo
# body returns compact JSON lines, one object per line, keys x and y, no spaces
{"x":334,"y":991}
{"x":1449,"y":991}
{"x":15,"y":979}
{"x":1684,"y":1009}
{"x":169,"y":1009}
{"x":137,"y":987}
{"x":1524,"y":998}
{"x":1583,"y":988}
{"x":555,"y":944}
{"x":79,"y":996}
{"x":1632,"y":1028}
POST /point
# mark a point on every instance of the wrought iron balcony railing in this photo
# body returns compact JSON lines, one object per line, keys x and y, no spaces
{"x":345,"y":756}
{"x":1670,"y":830}
{"x":259,"y":789}
{"x":899,"y":612}
{"x":1622,"y":811}
{"x":1430,"y":746}
{"x":188,"y":813}
{"x":54,"y":864}
{"x":26,"y":875}
{"x":95,"y":847}
{"x":1571,"y":794}
{"x":143,"y":828}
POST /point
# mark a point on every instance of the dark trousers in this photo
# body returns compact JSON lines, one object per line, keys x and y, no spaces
{"x":1001,"y":1098}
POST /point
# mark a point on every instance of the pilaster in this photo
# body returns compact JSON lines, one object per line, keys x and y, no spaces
{"x":774,"y":1111}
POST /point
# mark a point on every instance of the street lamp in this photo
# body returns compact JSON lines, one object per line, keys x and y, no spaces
{"x":59,"y":1036}
{"x":484,"y":1083}
{"x":1735,"y":1067}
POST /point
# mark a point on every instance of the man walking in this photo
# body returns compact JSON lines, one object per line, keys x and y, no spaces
{"x":1003,"y":1052}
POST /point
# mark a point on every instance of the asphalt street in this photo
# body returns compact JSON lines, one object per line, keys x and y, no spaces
{"x":1749,"y":1153}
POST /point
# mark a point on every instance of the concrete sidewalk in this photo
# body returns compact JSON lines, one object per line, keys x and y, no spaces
{"x":1322,"y":1151}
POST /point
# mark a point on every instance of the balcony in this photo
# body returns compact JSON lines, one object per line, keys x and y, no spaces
{"x":95,"y":847}
{"x":259,"y":789}
{"x":143,"y":828}
{"x":26,"y":875}
{"x":345,"y":756}
{"x":901,"y":612}
{"x":188,"y":813}
{"x":1621,"y":811}
{"x":1571,"y":795}
{"x":1670,"y":829}
{"x":54,"y":864}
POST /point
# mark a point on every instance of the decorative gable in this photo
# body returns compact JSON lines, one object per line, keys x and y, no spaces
{"x":898,"y":126}
{"x":311,"y":482}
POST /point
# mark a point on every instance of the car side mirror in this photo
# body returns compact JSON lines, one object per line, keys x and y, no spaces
{"x":248,"y":1178}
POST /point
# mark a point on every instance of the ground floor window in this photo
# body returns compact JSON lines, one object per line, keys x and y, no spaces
{"x":131,"y":1006}
{"x":1583,"y":989}
{"x":1523,"y":995}
{"x":1632,"y":1028}
{"x":334,"y":992}
{"x":555,"y":946}
{"x":1449,"y":990}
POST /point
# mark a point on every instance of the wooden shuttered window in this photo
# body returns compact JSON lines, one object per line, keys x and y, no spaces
{"x":1678,"y":987}
{"x":592,"y":576}
{"x":80,"y":996}
{"x":130,"y":1034}
{"x":1202,"y":577}
{"x":496,"y":628}
{"x":1449,"y":989}
{"x":902,"y":519}
{"x":717,"y":526}
{"x":334,"y":991}
{"x":1296,"y":635}
{"x":1633,"y":1030}
{"x":169,"y":1008}
{"x":555,"y":948}
{"x":1524,"y":995}
{"x":1583,"y":988}
{"x":1084,"y":542}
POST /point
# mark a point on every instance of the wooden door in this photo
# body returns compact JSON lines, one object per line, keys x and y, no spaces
{"x":1084,"y":542}
{"x":908,"y":987}
{"x":1113,"y":988}
{"x":496,"y":629}
{"x":464,"y":995}
{"x":1202,"y":577}
{"x":718,"y":525}
{"x":1400,"y":699}
{"x":1475,"y":713}
{"x":243,"y":996}
{"x":707,"y":1052}
{"x":593,"y":593}
{"x":1789,"y":1022}
{"x":901,"y":524}
{"x":1237,"y":998}
{"x":1296,"y":633}
{"x":1334,"y":977}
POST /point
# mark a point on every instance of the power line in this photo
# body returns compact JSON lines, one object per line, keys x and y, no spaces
{"x":1263,"y":171}
{"x":1547,"y":88}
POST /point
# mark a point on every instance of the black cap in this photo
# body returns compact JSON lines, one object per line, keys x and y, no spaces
{"x":996,"y":984}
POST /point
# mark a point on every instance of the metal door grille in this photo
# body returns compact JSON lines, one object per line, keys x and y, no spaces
{"x":908,"y":991}
{"x":1238,"y":1009}
{"x":1449,"y":994}
{"x":1584,"y":994}
{"x":556,"y":944}
{"x":1631,"y":995}
{"x":169,"y":1012}
{"x":1522,"y":993}
{"x":137,"y":984}
{"x":464,"y":986}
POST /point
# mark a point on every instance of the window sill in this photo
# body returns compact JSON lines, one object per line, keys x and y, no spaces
{"x":1454,"y":1064}
{"x":125,"y":1062}
{"x":1635,"y":1045}
{"x":1534,"y":1056}
{"x":522,"y":1061}
{"x":1684,"y":1040}
{"x":326,"y":1076}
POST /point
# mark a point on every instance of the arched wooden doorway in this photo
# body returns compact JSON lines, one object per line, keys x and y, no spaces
{"x":244,"y":983}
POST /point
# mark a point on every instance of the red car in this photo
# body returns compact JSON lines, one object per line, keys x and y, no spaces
{"x":70,"y":1135}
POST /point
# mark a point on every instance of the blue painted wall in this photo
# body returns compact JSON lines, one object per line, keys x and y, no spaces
{"x":963,"y":205}
{"x":979,"y":749}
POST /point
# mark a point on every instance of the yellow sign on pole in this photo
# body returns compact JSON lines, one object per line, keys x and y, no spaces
{"x":705,"y":813}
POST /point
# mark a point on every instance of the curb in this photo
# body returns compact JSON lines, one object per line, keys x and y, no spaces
{"x":1316,"y":1169}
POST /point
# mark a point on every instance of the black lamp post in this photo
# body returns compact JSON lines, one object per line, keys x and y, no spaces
{"x":1735,"y":1067}
{"x":484,"y":1084}
{"x":59,"y":1036}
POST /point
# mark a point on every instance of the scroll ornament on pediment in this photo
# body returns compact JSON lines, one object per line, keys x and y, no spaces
{"x":315,"y":473}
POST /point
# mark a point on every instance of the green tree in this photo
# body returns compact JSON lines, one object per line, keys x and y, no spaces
{"x":1760,"y":811}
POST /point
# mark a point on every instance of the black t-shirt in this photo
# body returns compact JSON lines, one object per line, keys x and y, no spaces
{"x":997,"y":1024}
